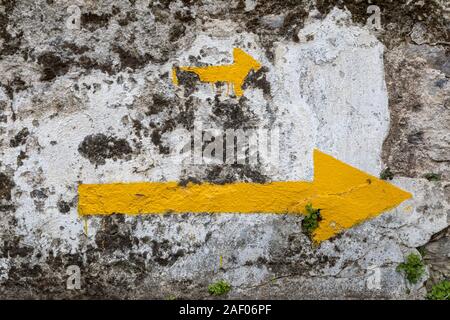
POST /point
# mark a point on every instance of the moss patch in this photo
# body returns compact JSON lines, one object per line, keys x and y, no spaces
{"x":311,"y":222}
{"x":219,"y":288}
{"x":440,"y":291}
{"x":413,"y":268}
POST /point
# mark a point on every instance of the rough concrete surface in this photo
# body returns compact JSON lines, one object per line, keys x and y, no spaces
{"x":96,"y":104}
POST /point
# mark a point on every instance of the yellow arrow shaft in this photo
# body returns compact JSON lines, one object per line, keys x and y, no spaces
{"x":231,"y":73}
{"x":159,"y":197}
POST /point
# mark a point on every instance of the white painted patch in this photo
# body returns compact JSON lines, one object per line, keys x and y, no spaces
{"x":334,"y":93}
{"x":328,"y":93}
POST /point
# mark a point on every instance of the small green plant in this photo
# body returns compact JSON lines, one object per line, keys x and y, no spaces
{"x":440,"y":291}
{"x":219,"y":288}
{"x":432,"y":176}
{"x":312,"y":219}
{"x":386,"y":174}
{"x":413,"y":267}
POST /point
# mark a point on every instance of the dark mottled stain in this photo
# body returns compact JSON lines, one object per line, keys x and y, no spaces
{"x":234,"y":115}
{"x":295,"y":13}
{"x":176,"y":32}
{"x":64,"y":206}
{"x":34,"y":271}
{"x":62,"y":260}
{"x":188,"y":80}
{"x":99,"y":147}
{"x":293,"y":22}
{"x":160,"y":103}
{"x":6,"y":185}
{"x":186,"y":115}
{"x":114,"y":234}
{"x":3,"y":117}
{"x":185,"y":181}
{"x":88,"y":63}
{"x":258,"y":80}
{"x":55,"y":64}
{"x":196,"y":61}
{"x":162,"y":253}
{"x":74,"y":48}
{"x":130,"y":17}
{"x":32,"y":277}
{"x":260,"y":261}
{"x":178,"y":113}
{"x":14,"y":86}
{"x":224,"y":174}
{"x":3,"y":107}
{"x":7,"y":208}
{"x":52,"y":66}
{"x":13,"y":248}
{"x":9,"y":90}
{"x":185,"y":16}
{"x":131,"y":60}
{"x":220,"y":174}
{"x":156,"y":140}
{"x":39,"y":194}
{"x":20,"y":138}
{"x":139,"y":128}
{"x":441,"y":83}
{"x":21,"y":157}
{"x":92,"y":21}
{"x":11,"y":43}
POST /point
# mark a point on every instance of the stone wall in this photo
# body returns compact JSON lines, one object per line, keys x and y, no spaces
{"x":89,"y":98}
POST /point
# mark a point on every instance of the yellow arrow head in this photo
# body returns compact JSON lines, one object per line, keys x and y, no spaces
{"x":348,"y":196}
{"x":243,"y":59}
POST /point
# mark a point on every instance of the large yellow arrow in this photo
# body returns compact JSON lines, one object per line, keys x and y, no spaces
{"x":233,"y":74}
{"x":345,"y":195}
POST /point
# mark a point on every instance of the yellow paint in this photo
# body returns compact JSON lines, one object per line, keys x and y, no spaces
{"x":174,"y":77}
{"x":408,"y":209}
{"x":85,"y":226}
{"x":348,"y":196}
{"x":233,"y":74}
{"x":345,"y":195}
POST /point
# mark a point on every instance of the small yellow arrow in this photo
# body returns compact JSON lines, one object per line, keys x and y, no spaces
{"x":345,"y":195}
{"x":233,"y":74}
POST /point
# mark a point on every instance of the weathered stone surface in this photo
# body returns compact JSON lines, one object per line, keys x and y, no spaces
{"x":419,"y":139}
{"x":437,"y":254}
{"x":97,"y":105}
